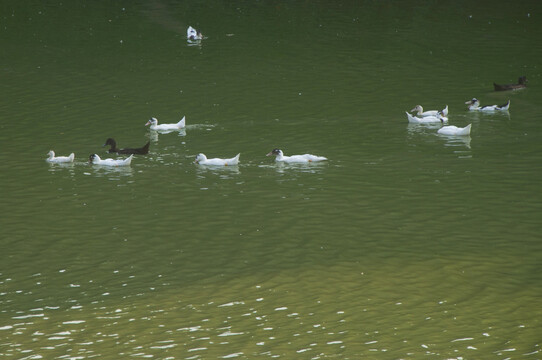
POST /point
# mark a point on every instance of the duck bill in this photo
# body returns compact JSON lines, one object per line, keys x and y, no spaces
{"x":148,"y":123}
{"x":269,"y":154}
{"x":413,"y":110}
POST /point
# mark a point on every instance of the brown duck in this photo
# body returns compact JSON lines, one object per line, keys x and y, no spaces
{"x":522,"y":83}
{"x":138,"y":151}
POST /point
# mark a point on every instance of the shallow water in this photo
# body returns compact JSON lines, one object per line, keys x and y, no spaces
{"x":405,"y":244}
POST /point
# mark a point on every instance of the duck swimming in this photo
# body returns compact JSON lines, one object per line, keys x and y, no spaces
{"x":306,"y":158}
{"x":522,"y":83}
{"x":59,"y":159}
{"x":420,"y":112}
{"x":193,"y":35}
{"x":474,"y":105}
{"x":426,"y":119}
{"x":96,"y":160}
{"x":153,"y":122}
{"x":201,"y":159}
{"x":454,"y":130}
{"x":139,"y":151}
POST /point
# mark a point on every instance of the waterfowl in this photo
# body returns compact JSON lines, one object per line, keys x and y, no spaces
{"x":454,"y":130}
{"x":306,"y":158}
{"x":420,"y":112}
{"x":193,"y":35}
{"x":96,"y":160}
{"x":153,"y":122}
{"x":426,"y":119}
{"x":59,"y":159}
{"x":201,"y":159}
{"x":139,"y":151}
{"x":522,"y":83}
{"x":474,"y":105}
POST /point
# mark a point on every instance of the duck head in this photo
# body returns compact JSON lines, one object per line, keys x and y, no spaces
{"x":199,"y":158}
{"x":51,"y":154}
{"x":522,"y":80}
{"x":152,"y":121}
{"x":111,"y":142}
{"x":193,"y":34}
{"x":276,"y":152}
{"x":417,"y":108}
{"x":472,"y":101}
{"x":93,"y":157}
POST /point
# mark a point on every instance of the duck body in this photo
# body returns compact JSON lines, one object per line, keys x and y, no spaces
{"x":96,"y":160}
{"x":193,"y":35}
{"x":454,"y":130}
{"x":59,"y":159}
{"x":306,"y":158}
{"x":201,"y":159}
{"x":426,"y":119}
{"x":420,"y":112}
{"x":153,"y":122}
{"x":474,"y":105}
{"x":139,"y":151}
{"x":522,"y":83}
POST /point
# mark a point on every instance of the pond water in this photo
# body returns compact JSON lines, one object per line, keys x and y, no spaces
{"x":404,"y":244}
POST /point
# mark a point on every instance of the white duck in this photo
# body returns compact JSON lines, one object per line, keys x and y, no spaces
{"x":420,"y":112}
{"x":474,"y":105}
{"x":59,"y":159}
{"x":153,"y":122}
{"x":96,"y":160}
{"x":454,"y":130}
{"x":201,"y":159}
{"x":193,"y":35}
{"x":425,"y":119}
{"x":306,"y":158}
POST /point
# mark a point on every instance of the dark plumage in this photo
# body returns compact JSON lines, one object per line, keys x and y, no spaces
{"x":522,"y":83}
{"x":138,"y":151}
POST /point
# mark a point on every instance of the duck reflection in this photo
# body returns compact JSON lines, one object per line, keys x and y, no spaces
{"x":461,"y":141}
{"x":223,"y":171}
{"x":312,"y":167}
{"x":115,"y":171}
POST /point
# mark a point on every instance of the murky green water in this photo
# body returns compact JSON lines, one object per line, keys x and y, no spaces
{"x":405,"y":244}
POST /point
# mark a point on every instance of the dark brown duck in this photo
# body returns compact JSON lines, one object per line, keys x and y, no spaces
{"x":138,"y":151}
{"x":522,"y":83}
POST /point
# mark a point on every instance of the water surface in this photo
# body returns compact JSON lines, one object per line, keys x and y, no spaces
{"x":405,"y":244}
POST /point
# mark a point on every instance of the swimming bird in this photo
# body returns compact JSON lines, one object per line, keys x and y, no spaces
{"x":201,"y":159}
{"x":474,"y":105}
{"x":193,"y":35}
{"x":153,"y":122}
{"x":522,"y":83}
{"x":139,"y":151}
{"x":454,"y":130}
{"x":425,"y":119}
{"x":59,"y":159}
{"x":96,"y":160}
{"x":306,"y":158}
{"x":420,"y":112}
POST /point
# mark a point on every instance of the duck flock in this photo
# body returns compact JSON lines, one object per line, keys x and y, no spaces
{"x":194,"y":37}
{"x":201,"y":159}
{"x":441,"y":116}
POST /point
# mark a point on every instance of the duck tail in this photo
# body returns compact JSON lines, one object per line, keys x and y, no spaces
{"x":182,"y":122}
{"x":72,"y":156}
{"x":505,"y":106}
{"x":145,"y":149}
{"x":411,"y":119}
{"x":466,"y":130}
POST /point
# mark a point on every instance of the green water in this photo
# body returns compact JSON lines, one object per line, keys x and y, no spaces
{"x":405,"y":244}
